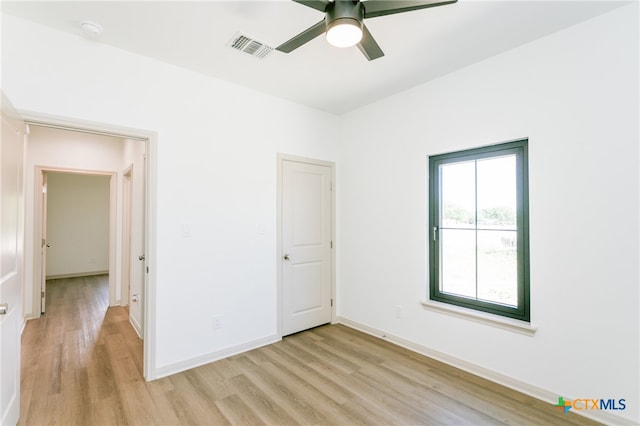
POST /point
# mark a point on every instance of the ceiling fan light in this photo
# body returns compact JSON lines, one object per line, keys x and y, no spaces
{"x":345,"y":32}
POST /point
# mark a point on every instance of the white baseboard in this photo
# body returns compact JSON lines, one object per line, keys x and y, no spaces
{"x":188,"y":364}
{"x":136,"y":325}
{"x":510,"y":382}
{"x":77,"y":275}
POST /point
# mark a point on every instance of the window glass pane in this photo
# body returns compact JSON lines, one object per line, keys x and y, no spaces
{"x":458,"y":195}
{"x":498,"y":267}
{"x":497,"y":192}
{"x":458,"y":262}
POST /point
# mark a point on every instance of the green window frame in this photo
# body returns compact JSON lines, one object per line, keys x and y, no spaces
{"x":479,"y":229}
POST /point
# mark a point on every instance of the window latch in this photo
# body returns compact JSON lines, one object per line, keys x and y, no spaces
{"x":435,"y":230}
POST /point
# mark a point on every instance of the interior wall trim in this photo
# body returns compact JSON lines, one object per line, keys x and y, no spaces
{"x":190,"y":363}
{"x":77,"y":275}
{"x":151,"y":142}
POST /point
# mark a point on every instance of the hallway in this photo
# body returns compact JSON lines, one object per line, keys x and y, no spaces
{"x":68,"y":376}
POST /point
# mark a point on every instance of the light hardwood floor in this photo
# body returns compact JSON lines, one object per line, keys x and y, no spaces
{"x":82,"y":365}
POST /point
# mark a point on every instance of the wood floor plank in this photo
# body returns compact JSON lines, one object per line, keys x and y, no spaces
{"x":264,"y":404}
{"x":317,"y":353}
{"x":304,"y":391}
{"x":137,"y":404}
{"x":109,"y":411}
{"x":278,"y":390}
{"x":375,"y":400}
{"x":160,"y":391}
{"x":238,"y":412}
{"x":193,"y":406}
{"x":82,"y":365}
{"x":327,"y":386}
{"x":213,"y":382}
{"x":439,"y":407}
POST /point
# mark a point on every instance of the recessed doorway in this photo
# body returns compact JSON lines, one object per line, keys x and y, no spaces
{"x":97,"y":150}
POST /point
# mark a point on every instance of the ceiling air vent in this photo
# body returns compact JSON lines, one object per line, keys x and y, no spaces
{"x":247,"y":44}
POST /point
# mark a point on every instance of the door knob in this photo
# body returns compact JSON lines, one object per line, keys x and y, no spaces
{"x":287,"y":257}
{"x":3,"y":308}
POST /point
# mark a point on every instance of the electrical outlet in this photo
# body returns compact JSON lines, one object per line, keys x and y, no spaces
{"x":217,"y":323}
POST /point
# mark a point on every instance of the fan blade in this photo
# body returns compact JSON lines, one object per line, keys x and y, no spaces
{"x":320,"y":5}
{"x":302,"y":38}
{"x":368,"y":45}
{"x":374,"y":8}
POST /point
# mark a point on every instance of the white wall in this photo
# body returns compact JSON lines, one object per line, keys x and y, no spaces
{"x":215,"y":171}
{"x":575,"y":96}
{"x":77,"y":224}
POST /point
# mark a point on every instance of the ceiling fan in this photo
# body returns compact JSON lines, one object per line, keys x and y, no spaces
{"x":343,"y":22}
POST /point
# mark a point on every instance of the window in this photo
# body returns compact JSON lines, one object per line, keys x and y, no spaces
{"x":478,"y":229}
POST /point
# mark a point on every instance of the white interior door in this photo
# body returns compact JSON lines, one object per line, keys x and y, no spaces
{"x":12,"y":250}
{"x":306,"y":227}
{"x":44,"y":244}
{"x":142,"y":270}
{"x":137,"y":202}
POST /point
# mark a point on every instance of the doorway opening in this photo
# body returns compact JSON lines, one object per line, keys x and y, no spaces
{"x":133,"y":172}
{"x":77,"y":225}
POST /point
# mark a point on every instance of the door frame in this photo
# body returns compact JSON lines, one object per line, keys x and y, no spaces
{"x":43,"y":210}
{"x":297,"y":159}
{"x":151,"y":139}
{"x":125,"y":239}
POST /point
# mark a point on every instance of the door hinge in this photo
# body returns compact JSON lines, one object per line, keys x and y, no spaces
{"x":331,"y":244}
{"x":331,"y":186}
{"x":332,"y":303}
{"x":42,"y":294}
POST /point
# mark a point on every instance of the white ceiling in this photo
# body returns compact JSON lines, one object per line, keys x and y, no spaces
{"x":419,"y":45}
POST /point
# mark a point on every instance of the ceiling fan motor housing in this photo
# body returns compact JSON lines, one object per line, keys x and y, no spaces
{"x":344,"y":26}
{"x":340,"y":11}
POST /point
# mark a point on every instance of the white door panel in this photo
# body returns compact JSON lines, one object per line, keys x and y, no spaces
{"x":306,"y":245}
{"x":12,"y":250}
{"x":308,"y":295}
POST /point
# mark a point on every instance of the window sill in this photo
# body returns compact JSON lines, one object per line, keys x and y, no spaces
{"x":481,"y":317}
